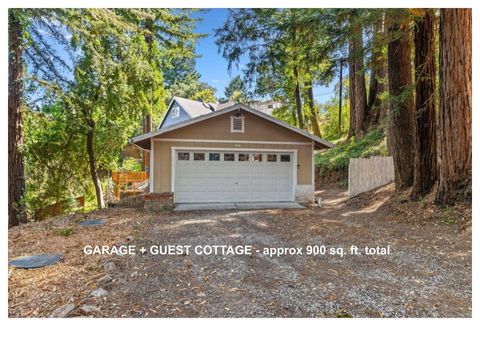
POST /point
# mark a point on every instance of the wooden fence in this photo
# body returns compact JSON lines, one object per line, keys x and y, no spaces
{"x":58,"y":208}
{"x":368,"y":174}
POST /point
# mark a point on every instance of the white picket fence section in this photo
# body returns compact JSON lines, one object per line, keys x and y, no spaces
{"x":368,"y":174}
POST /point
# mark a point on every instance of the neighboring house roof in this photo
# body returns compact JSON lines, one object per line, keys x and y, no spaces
{"x":192,"y":109}
{"x":140,"y":140}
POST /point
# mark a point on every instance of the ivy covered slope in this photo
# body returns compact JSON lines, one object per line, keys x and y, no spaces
{"x":337,"y":158}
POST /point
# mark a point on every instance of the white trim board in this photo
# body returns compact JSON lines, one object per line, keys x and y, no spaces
{"x":151,"y":170}
{"x":232,"y":121}
{"x":313,"y":164}
{"x":236,"y":141}
{"x":233,"y":149}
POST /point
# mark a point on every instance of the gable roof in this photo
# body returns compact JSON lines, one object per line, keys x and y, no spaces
{"x":140,"y":140}
{"x":192,"y":107}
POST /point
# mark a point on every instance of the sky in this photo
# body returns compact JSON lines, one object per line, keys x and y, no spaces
{"x":210,"y":63}
{"x":213,"y":67}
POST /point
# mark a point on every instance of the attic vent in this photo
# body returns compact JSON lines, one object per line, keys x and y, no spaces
{"x":175,"y":112}
{"x":237,"y":124}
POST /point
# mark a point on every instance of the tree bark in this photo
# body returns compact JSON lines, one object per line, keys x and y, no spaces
{"x":401,"y":127}
{"x":377,"y":77}
{"x":425,"y":173}
{"x":351,"y":89}
{"x":93,"y":168}
{"x":358,"y":92}
{"x":16,"y":176}
{"x":313,"y":110}
{"x":360,"y":88}
{"x":298,"y":99}
{"x":147,"y":120}
{"x":340,"y":95}
{"x":455,"y":120}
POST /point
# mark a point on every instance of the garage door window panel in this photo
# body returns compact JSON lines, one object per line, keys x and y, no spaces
{"x":214,"y":157}
{"x":228,"y":157}
{"x":198,"y":156}
{"x":183,"y":156}
{"x":284,"y":158}
{"x":272,"y":158}
{"x":243,"y":157}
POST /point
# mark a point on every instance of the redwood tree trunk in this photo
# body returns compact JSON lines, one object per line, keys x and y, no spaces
{"x":360,"y":89}
{"x":16,"y":178}
{"x":313,"y":111}
{"x":377,"y":77}
{"x":93,"y":169}
{"x":351,"y":89}
{"x":298,"y":99}
{"x":147,"y":120}
{"x":340,"y":96}
{"x":455,"y":121}
{"x":401,"y":127}
{"x":425,"y":173}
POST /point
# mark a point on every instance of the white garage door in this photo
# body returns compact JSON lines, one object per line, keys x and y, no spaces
{"x":233,"y":176}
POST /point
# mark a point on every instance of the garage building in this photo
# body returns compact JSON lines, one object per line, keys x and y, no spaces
{"x":211,"y":153}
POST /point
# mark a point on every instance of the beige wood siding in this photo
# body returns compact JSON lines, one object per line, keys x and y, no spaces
{"x":218,"y":128}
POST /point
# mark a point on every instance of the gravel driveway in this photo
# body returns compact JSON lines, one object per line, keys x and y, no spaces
{"x":426,"y":274}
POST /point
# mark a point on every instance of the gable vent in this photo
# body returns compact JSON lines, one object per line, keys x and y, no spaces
{"x":238,"y":124}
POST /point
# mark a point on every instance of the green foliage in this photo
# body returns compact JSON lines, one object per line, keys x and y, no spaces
{"x":236,"y":90}
{"x":131,"y":164}
{"x":337,"y":158}
{"x":94,"y":71}
{"x":285,"y":47}
{"x":192,"y":88}
{"x":55,"y":161}
{"x":329,"y":119}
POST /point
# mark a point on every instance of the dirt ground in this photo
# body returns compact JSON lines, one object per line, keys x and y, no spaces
{"x":427,"y":274}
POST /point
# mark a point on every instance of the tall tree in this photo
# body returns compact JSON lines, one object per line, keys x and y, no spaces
{"x":295,"y":61}
{"x":377,"y":73}
{"x":351,"y":89}
{"x":112,"y":78}
{"x":360,"y":104}
{"x":401,"y":127}
{"x":311,"y":106}
{"x":455,"y":121}
{"x":358,"y":92}
{"x":147,"y":120}
{"x":425,"y":173}
{"x":298,"y":98}
{"x":16,"y":179}
{"x":284,"y":47}
{"x":236,"y":90}
{"x":190,"y":87}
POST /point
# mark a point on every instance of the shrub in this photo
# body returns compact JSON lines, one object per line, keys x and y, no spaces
{"x":337,"y":158}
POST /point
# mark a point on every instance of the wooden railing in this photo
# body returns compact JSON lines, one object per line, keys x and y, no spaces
{"x":128,"y":181}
